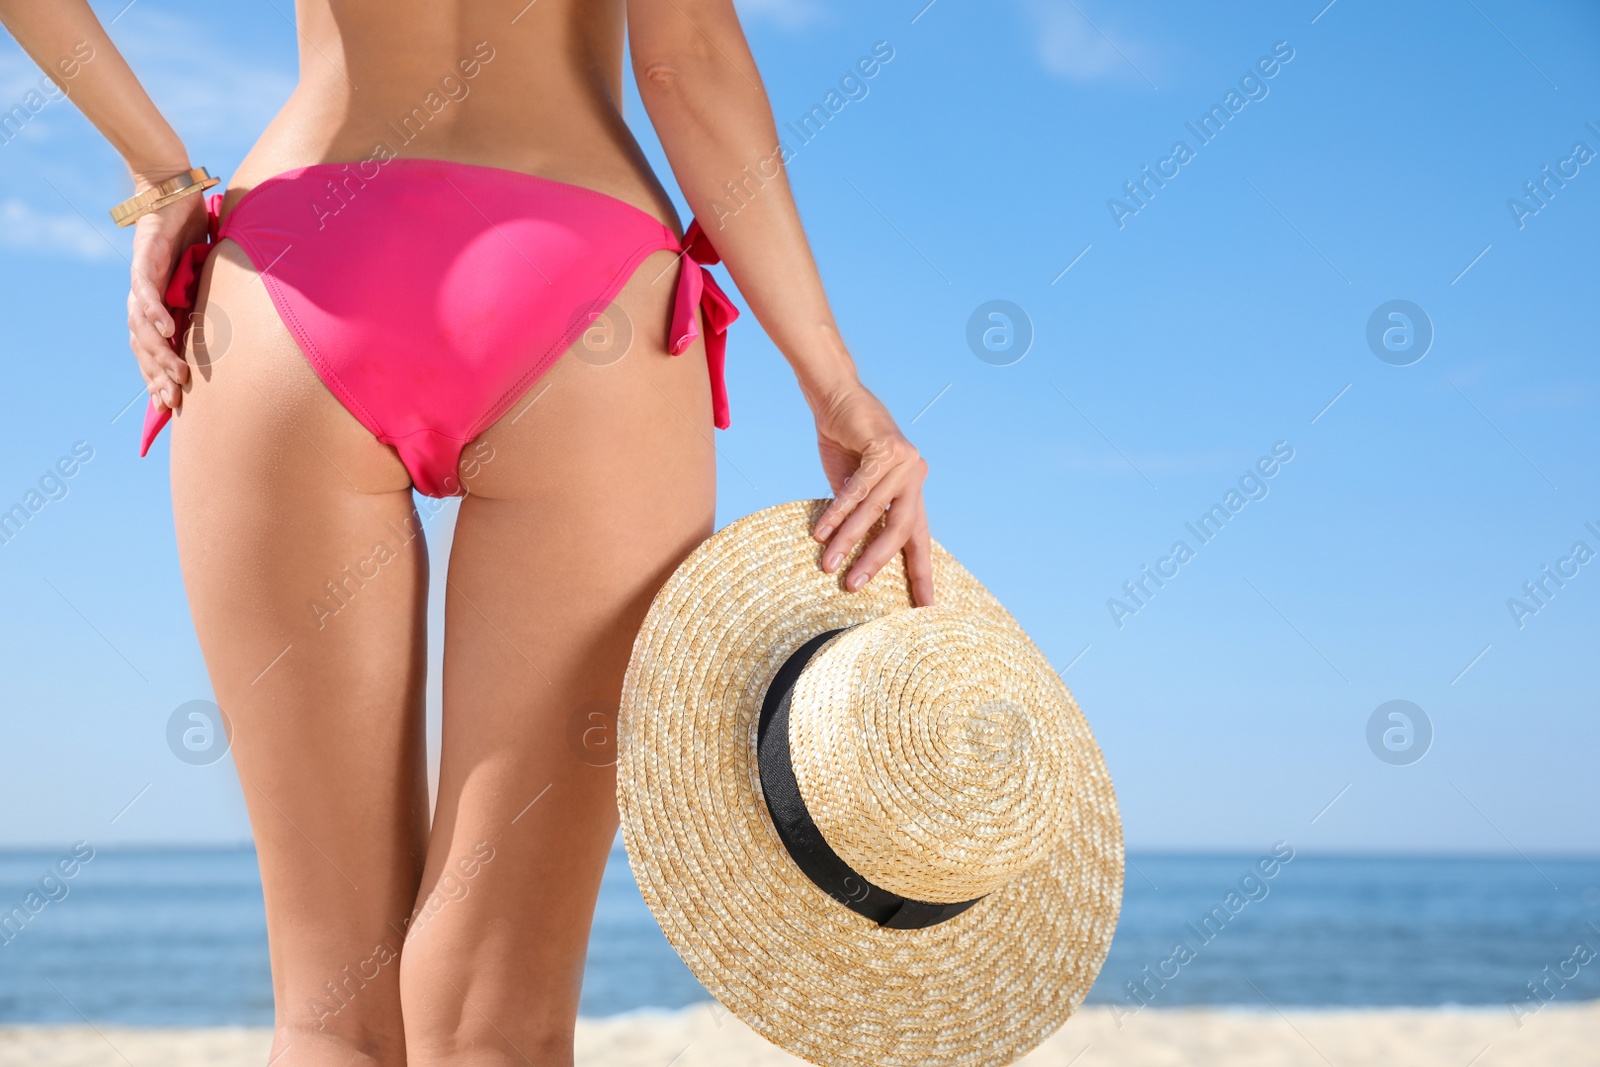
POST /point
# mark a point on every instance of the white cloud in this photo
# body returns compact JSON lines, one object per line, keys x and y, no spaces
{"x":790,"y":14}
{"x":1070,"y":46}
{"x":66,"y":234}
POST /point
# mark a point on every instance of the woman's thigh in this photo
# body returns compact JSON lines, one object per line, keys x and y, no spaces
{"x":580,"y":503}
{"x":306,"y":575}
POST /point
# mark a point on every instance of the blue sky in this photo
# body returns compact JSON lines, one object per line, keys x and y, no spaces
{"x":1169,"y":354}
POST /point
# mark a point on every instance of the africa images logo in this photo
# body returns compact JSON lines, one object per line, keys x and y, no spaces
{"x":1251,"y":486}
{"x":1252,"y":887}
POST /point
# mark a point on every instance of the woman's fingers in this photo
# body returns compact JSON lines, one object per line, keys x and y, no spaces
{"x":152,"y":265}
{"x":857,"y":523}
{"x":164,"y":370}
{"x":158,"y":363}
{"x":144,"y":299}
{"x":887,"y":480}
{"x":919,"y":558}
{"x":899,"y":494}
{"x":890,"y":482}
{"x":895,"y":535}
{"x":158,"y":349}
{"x":876,"y":461}
{"x":156,"y":382}
{"x":150,"y":324}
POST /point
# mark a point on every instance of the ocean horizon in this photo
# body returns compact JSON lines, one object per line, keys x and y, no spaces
{"x":177,"y":936}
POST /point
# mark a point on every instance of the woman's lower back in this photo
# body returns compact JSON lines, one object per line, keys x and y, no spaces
{"x":528,"y":86}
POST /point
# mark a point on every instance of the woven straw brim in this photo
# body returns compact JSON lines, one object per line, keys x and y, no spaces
{"x":800,"y":968}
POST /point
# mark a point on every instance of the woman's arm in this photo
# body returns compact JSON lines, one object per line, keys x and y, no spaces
{"x":704,"y":95}
{"x":104,"y":88}
{"x":67,"y":41}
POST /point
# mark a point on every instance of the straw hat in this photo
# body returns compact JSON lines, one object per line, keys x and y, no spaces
{"x":879,"y":834}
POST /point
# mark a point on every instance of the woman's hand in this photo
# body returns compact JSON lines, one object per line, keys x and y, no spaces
{"x":70,"y":45}
{"x":872,"y":469}
{"x":159,"y":238}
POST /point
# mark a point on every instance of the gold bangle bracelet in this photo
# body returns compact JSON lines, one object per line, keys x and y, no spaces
{"x":159,"y":196}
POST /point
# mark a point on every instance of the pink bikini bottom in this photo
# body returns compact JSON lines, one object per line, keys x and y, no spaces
{"x":429,"y":295}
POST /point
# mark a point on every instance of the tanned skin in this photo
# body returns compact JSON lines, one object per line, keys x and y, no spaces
{"x":460,"y":940}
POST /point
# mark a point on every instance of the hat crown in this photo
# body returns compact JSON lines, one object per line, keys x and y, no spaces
{"x":933,"y":751}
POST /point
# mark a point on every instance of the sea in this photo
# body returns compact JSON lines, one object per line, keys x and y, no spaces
{"x":178,"y":937}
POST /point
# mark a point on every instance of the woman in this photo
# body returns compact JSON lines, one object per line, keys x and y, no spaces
{"x":581,"y":496}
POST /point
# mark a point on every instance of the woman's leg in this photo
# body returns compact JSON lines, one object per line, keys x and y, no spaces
{"x":307,"y":577}
{"x":578,"y":508}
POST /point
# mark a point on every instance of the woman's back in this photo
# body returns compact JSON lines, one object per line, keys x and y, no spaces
{"x":529,"y":85}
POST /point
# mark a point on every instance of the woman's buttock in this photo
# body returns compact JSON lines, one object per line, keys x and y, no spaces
{"x":428,"y":333}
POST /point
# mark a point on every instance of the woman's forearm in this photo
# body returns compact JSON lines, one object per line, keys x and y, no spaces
{"x":67,"y":41}
{"x":705,"y":98}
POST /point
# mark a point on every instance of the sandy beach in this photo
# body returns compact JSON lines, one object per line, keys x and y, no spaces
{"x":705,"y":1036}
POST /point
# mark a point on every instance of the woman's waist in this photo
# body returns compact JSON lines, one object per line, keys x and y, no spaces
{"x":573,"y":149}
